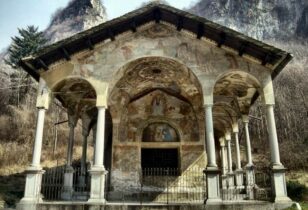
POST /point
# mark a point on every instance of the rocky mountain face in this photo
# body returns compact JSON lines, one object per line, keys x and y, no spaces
{"x":261,"y":19}
{"x":79,"y":15}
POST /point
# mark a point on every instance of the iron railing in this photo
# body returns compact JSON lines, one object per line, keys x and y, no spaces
{"x":163,"y":185}
{"x":263,"y":190}
{"x":160,"y":185}
{"x":52,"y":183}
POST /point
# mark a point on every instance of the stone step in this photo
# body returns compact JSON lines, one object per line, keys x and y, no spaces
{"x":149,"y":206}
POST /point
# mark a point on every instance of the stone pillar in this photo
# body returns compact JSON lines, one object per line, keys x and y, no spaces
{"x":32,"y":195}
{"x":83,"y":162}
{"x":94,"y":130}
{"x":224,"y":177}
{"x":239,"y":171}
{"x":34,"y":172}
{"x":98,"y":171}
{"x":249,"y":168}
{"x":278,"y":171}
{"x":212,"y":172}
{"x":86,"y":121}
{"x":230,"y":171}
{"x":68,"y":190}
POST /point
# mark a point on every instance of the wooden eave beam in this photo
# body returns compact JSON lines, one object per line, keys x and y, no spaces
{"x":111,"y":34}
{"x":90,"y":44}
{"x":180,"y":23}
{"x":65,"y":53}
{"x":222,"y":39}
{"x":42,"y":64}
{"x":157,"y":15}
{"x":242,"y":49}
{"x":133,"y":26}
{"x":266,"y":59}
{"x":200,"y":31}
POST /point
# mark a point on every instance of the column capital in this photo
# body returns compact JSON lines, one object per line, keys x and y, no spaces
{"x":269,"y":105}
{"x":228,"y":136}
{"x":235,"y":127}
{"x":72,"y":120}
{"x":208,"y":105}
{"x":102,"y":107}
{"x":222,"y":142}
{"x":245,"y":118}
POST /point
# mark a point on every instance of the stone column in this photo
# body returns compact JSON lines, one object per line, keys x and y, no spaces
{"x":98,"y":171}
{"x":224,"y":177}
{"x":68,"y":190}
{"x":230,"y":171}
{"x":212,"y":172}
{"x":94,"y":130}
{"x":83,"y":162}
{"x":278,"y":170}
{"x":34,"y":172}
{"x":86,"y":121}
{"x":239,"y":171}
{"x":249,"y":168}
{"x":32,"y":195}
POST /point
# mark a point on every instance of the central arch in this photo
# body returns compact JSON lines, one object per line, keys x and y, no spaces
{"x":158,"y":90}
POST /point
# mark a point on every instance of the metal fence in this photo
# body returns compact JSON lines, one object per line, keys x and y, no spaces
{"x":160,"y":185}
{"x":163,"y":185}
{"x":52,"y":183}
{"x":263,"y":190}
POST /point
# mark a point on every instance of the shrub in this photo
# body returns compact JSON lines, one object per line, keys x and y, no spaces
{"x":296,"y":191}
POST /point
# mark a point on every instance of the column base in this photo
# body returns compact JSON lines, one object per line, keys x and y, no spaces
{"x":250,"y":181}
{"x":224,"y":181}
{"x":68,"y":190}
{"x":231,"y":181}
{"x":32,"y":194}
{"x":239,"y":179}
{"x":212,"y":185}
{"x":279,"y":187}
{"x":98,"y":177}
{"x":26,"y":206}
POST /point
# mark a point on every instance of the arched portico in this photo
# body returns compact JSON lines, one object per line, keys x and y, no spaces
{"x":234,"y":93}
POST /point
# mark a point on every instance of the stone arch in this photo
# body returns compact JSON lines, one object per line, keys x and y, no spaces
{"x":120,"y":73}
{"x":55,"y":85}
{"x":75,"y":93}
{"x":229,"y":112}
{"x":239,"y":85}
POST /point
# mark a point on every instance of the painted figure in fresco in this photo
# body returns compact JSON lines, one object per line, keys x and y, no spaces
{"x":167,"y":135}
{"x":159,"y":132}
{"x":158,"y":105}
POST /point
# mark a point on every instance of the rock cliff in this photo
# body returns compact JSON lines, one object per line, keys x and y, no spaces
{"x":261,"y":19}
{"x":79,"y":15}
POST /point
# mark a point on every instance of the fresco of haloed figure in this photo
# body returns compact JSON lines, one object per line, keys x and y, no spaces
{"x":159,"y":132}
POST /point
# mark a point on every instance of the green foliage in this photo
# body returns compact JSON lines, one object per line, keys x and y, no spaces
{"x":296,"y":191}
{"x":27,"y":43}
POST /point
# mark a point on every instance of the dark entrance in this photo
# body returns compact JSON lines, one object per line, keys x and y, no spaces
{"x":159,"y":158}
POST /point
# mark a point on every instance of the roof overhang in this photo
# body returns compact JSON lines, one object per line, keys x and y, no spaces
{"x":157,"y":12}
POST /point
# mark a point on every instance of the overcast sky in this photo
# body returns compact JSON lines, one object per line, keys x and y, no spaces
{"x":20,"y":13}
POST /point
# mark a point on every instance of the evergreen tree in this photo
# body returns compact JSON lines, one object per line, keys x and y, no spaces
{"x":27,"y":43}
